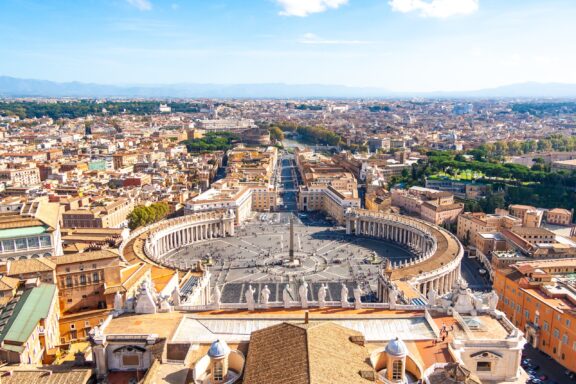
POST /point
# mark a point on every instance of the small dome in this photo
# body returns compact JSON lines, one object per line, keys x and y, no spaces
{"x":219,"y":348}
{"x":396,"y":347}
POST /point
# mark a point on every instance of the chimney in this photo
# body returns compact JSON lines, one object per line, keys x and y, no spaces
{"x":306,"y":317}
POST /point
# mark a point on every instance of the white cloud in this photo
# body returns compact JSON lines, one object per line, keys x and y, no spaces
{"x":313,"y":39}
{"x":436,"y":8}
{"x":143,"y":5}
{"x":303,"y":8}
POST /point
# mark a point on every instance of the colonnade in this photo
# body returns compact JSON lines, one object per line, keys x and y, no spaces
{"x":188,"y":230}
{"x":441,"y":284}
{"x":418,"y":240}
{"x":422,"y":238}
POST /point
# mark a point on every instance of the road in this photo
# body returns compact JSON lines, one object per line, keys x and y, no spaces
{"x":288,"y":183}
{"x":547,"y":366}
{"x":475,"y":280}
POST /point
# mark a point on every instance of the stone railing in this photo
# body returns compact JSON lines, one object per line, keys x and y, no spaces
{"x":297,"y":304}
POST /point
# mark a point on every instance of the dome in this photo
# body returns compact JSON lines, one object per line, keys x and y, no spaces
{"x":396,"y":347}
{"x":219,"y":348}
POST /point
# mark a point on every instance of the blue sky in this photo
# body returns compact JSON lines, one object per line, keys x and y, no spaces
{"x":401,"y":45}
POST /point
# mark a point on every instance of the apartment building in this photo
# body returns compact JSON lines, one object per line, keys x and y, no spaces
{"x":100,"y":214}
{"x":435,"y":206}
{"x":20,"y":177}
{"x":470,"y":224}
{"x":29,"y":332}
{"x":326,"y":186}
{"x":540,"y":299}
{"x":559,"y":216}
{"x":32,"y":233}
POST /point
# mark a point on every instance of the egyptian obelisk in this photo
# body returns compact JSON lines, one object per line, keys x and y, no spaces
{"x":291,"y":250}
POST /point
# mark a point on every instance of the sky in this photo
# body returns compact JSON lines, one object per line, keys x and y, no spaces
{"x":398,"y":45}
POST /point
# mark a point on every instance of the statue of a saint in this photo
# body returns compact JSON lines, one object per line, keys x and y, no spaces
{"x":265,"y":295}
{"x":286,"y":296}
{"x":249,"y":295}
{"x":392,"y":296}
{"x":357,"y":297}
{"x":493,"y":300}
{"x":322,"y":291}
{"x":217,"y":300}
{"x":344,"y":296}
{"x":303,"y":292}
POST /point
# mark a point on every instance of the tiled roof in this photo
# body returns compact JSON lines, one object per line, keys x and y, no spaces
{"x":85,"y":257}
{"x":8,"y":283}
{"x":45,"y":375}
{"x":18,"y":267}
{"x":314,"y":353}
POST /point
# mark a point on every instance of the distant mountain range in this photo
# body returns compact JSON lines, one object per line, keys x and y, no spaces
{"x":16,"y":87}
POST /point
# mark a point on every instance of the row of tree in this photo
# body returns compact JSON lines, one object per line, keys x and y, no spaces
{"x":83,"y":108}
{"x":500,"y":149}
{"x":144,"y":215}
{"x":212,"y":141}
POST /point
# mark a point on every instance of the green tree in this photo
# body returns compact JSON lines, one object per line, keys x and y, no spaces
{"x":276,"y":134}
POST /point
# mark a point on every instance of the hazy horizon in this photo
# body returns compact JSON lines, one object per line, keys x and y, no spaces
{"x":398,"y":45}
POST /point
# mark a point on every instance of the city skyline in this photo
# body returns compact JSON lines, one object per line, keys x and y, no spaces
{"x":399,"y":45}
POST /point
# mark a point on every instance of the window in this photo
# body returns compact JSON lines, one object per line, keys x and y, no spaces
{"x":565,"y":339}
{"x":95,"y":277}
{"x":397,"y":370}
{"x":545,"y":326}
{"x":568,"y":322}
{"x":556,"y":333}
{"x":83,"y":279}
{"x":45,"y":241}
{"x":21,"y":244}
{"x":68,"y":281}
{"x":8,"y":245}
{"x":483,"y":366}
{"x":527,"y":315}
{"x":33,"y":242}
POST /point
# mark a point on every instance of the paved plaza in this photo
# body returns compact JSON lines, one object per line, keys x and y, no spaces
{"x":256,"y":254}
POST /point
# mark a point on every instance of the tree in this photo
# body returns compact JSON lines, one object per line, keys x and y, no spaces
{"x":276,"y":134}
{"x":143,"y":215}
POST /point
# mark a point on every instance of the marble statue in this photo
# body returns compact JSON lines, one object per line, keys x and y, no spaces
{"x":249,"y":295}
{"x":432,"y":297}
{"x":392,"y":296}
{"x":322,"y":291}
{"x":98,"y":332}
{"x":303,"y":293}
{"x":265,"y":296}
{"x":164,"y":304}
{"x":358,"y":297}
{"x":477,"y":302}
{"x":286,"y":297}
{"x":344,"y":296}
{"x":118,"y":305}
{"x":176,"y":297}
{"x":217,"y":299}
{"x":492,"y":300}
